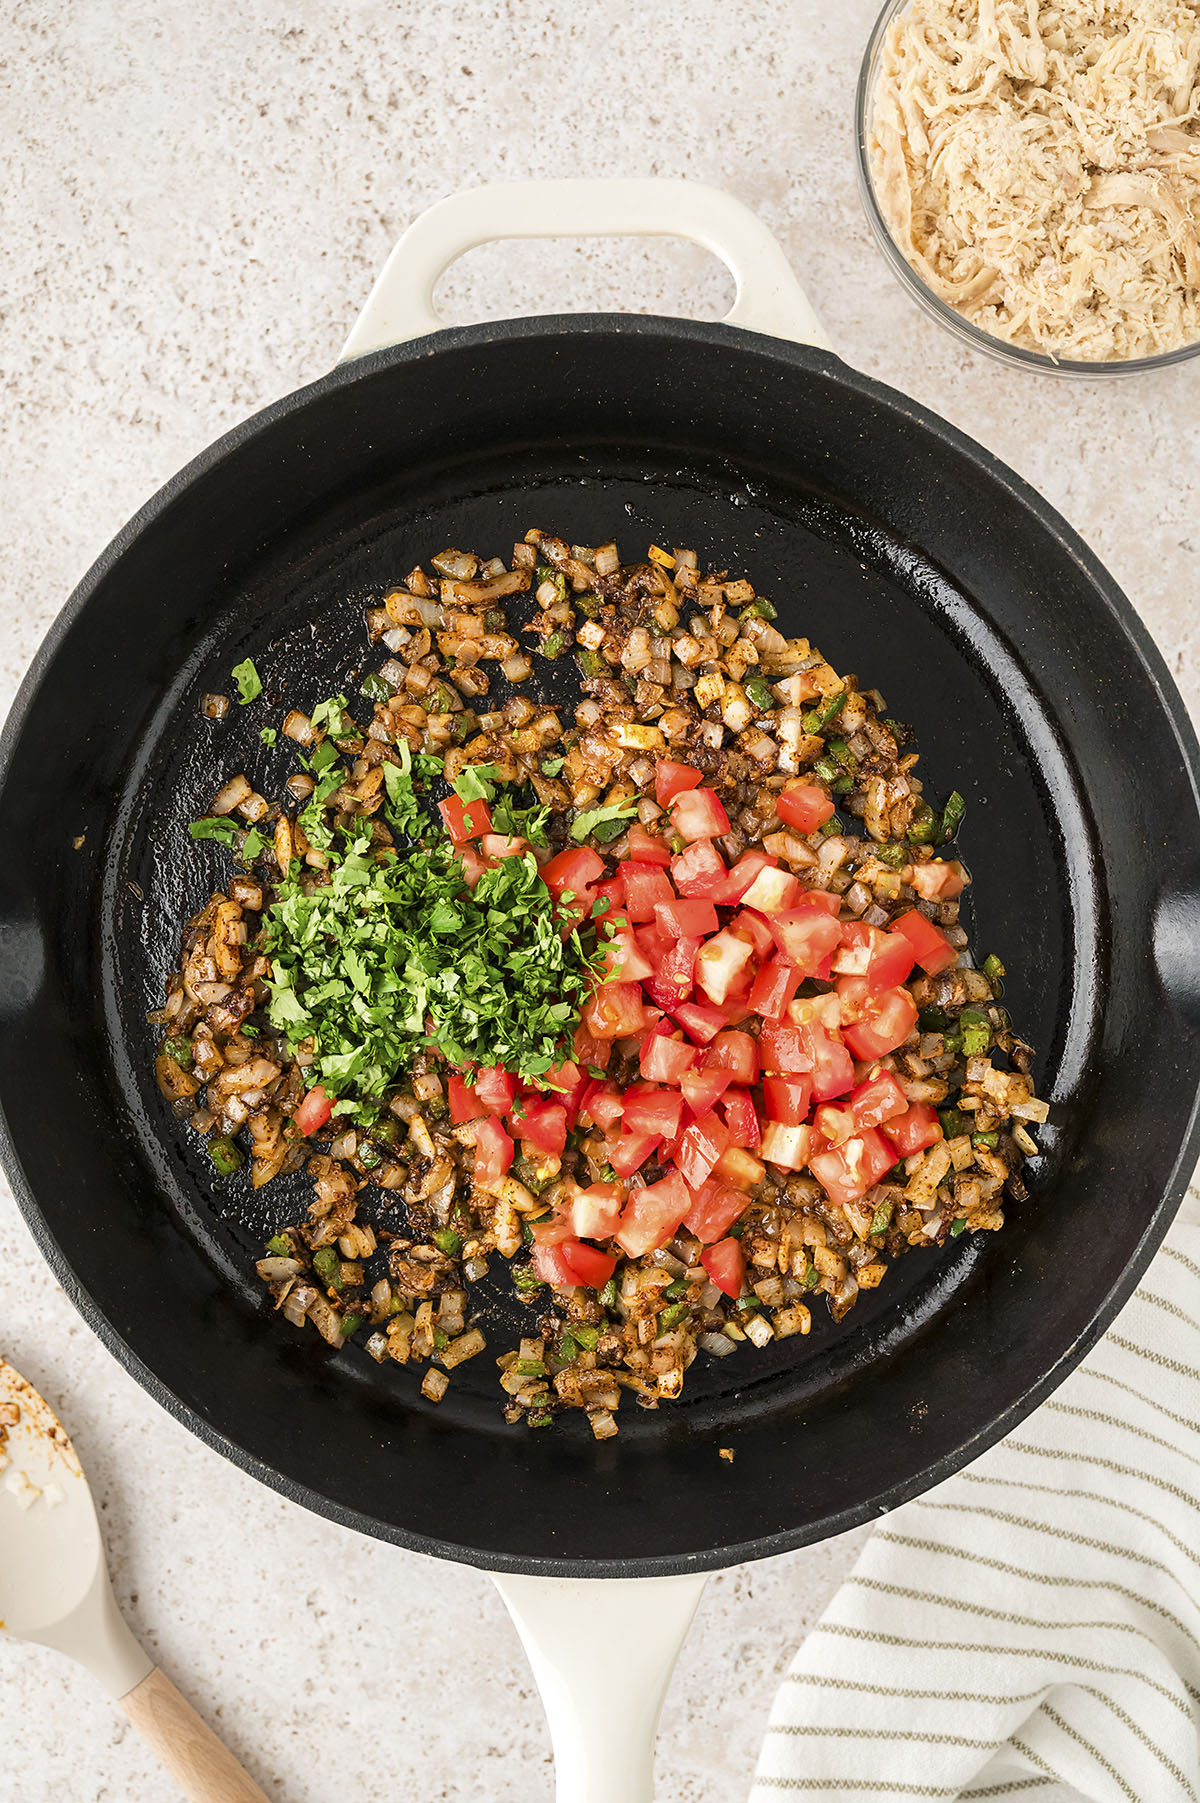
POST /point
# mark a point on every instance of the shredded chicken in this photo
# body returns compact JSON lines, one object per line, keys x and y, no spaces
{"x":1039,"y":167}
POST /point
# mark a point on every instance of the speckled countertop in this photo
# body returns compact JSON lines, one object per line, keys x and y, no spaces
{"x":196,"y":200}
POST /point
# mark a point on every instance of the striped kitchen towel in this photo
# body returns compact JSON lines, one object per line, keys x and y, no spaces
{"x":1031,"y":1628}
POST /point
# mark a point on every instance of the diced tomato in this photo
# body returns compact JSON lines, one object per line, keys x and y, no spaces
{"x":614,"y":1010}
{"x":465,"y":1105}
{"x":645,"y":886}
{"x":715,"y":1208}
{"x":938,"y":880}
{"x":473,"y":865}
{"x":612,"y":890}
{"x":503,"y":845}
{"x":541,"y":1124}
{"x":835,"y":1125}
{"x":877,"y":1100}
{"x":700,"y":870}
{"x":734,"y":1052}
{"x":652,"y":1215}
{"x":736,"y":1008}
{"x":589,"y":1051}
{"x":784,"y":1050}
{"x":493,"y":1152}
{"x":722,"y":964}
{"x":654,"y":943}
{"x":595,"y":1212}
{"x":753,"y":927}
{"x":804,"y":806}
{"x":885,"y":959}
{"x":465,"y":819}
{"x":772,"y":891}
{"x":701,"y":1088}
{"x":806,"y":934}
{"x":496,"y":1087}
{"x":649,"y":1109}
{"x":741,"y":1117}
{"x":786,"y":1099}
{"x":825,"y":1010}
{"x":576,"y":869}
{"x":629,"y":1152}
{"x":742,"y":874}
{"x":726,"y":1265}
{"x":932,"y":950}
{"x":699,"y":1020}
{"x":566,"y":1084}
{"x":550,"y":1263}
{"x":787,"y":1147}
{"x":572,"y":1265}
{"x":701,"y":1147}
{"x":832,"y":1065}
{"x":698,"y":814}
{"x":774,"y":987}
{"x":315,"y":1110}
{"x":739,"y":1167}
{"x":553,"y":1231}
{"x":847,"y":1173}
{"x":672,"y":981}
{"x":624,"y":959}
{"x":664,"y":1058}
{"x":645,"y":848}
{"x":671,"y":780}
{"x":687,"y":919}
{"x":912,"y":1131}
{"x":602,"y":1106}
{"x":875,"y":1024}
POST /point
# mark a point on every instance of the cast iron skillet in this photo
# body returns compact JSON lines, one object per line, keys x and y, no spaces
{"x":910,"y":556}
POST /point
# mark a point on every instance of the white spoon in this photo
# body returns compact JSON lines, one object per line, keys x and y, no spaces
{"x":54,"y":1590}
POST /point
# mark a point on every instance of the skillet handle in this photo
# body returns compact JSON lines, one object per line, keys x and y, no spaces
{"x":769,"y":298}
{"x":602,"y":1651}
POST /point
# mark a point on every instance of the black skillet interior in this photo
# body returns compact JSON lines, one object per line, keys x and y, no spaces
{"x":1000,"y":639}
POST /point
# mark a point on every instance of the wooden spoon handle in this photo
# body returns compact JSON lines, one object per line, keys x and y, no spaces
{"x":202,"y":1766}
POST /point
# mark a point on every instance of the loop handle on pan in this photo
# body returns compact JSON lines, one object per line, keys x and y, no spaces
{"x":602,"y":1651}
{"x":768,"y":299}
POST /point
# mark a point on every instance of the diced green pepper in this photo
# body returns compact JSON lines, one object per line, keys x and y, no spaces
{"x":441,"y":699}
{"x":350,"y":1324}
{"x":989,"y":1141}
{"x":591,"y":663}
{"x":179,"y":1048}
{"x":826,"y":769}
{"x":386,"y":1131}
{"x":760,"y":693}
{"x":831,"y":826}
{"x":952,"y":816}
{"x":976,"y":1032}
{"x":526,"y":1278}
{"x":993,"y":970}
{"x":932,"y":1020}
{"x":540,"y":1419}
{"x":831,"y":709}
{"x":553,"y":646}
{"x":585,"y":1335}
{"x":675,"y":1290}
{"x":376,"y":688}
{"x":328,"y":1266}
{"x":369,"y":1156}
{"x":280,"y":1246}
{"x":530,"y":1367}
{"x":881,"y":1220}
{"x":894,"y":856}
{"x":544,"y":572}
{"x":225,"y":1155}
{"x":589,"y":605}
{"x":843,"y":785}
{"x":924,"y":826}
{"x":957,"y":1227}
{"x":759,"y":609}
{"x":447,"y":1241}
{"x":811,"y":1278}
{"x":954,"y":1122}
{"x":671,"y":1317}
{"x":608,"y":1295}
{"x":841,"y":753}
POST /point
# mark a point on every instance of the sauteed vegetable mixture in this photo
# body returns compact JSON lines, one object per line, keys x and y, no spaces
{"x":662,"y":1008}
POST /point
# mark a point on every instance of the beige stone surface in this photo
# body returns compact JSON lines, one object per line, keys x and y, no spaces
{"x":196,"y":198}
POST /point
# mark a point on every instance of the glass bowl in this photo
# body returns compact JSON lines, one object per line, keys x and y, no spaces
{"x":924,"y":296}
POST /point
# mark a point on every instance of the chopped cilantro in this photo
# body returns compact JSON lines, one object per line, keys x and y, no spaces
{"x":593,"y":822}
{"x":387,"y":959}
{"x":477,"y":782}
{"x":248,"y":680}
{"x":268,"y":735}
{"x":215,"y":826}
{"x":552,"y":766}
{"x":332,"y":715}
